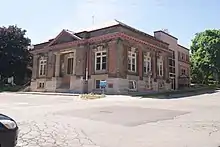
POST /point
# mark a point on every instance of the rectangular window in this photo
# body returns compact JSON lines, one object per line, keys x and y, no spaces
{"x":183,"y":72}
{"x":182,"y":56}
{"x":70,"y":65}
{"x":42,"y":67}
{"x":160,"y":67}
{"x":148,"y":84}
{"x":41,"y":85}
{"x":100,"y":60}
{"x":187,"y":58}
{"x":97,"y":84}
{"x":161,"y":70}
{"x":132,"y":61}
{"x":132,"y":85}
{"x":173,"y":54}
{"x":147,"y":64}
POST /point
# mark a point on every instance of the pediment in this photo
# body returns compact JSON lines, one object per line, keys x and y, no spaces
{"x":64,"y":37}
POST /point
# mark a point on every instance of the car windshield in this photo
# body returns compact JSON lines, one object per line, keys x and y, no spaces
{"x":4,"y":117}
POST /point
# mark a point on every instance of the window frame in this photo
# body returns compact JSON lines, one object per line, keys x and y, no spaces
{"x":41,"y":85}
{"x":160,"y":67}
{"x":134,"y":85}
{"x":98,"y":84}
{"x":132,"y":55}
{"x":103,"y":54}
{"x":42,"y":66}
{"x":183,"y":71}
{"x":147,"y":63}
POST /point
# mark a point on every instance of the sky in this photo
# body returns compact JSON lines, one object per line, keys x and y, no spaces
{"x":45,"y":19}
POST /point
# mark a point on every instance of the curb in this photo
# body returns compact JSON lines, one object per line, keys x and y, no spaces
{"x":44,"y":93}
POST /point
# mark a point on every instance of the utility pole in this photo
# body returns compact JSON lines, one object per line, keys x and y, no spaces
{"x":93,"y":20}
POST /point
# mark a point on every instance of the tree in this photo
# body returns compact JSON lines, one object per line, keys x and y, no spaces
{"x":14,"y":54}
{"x":205,"y":58}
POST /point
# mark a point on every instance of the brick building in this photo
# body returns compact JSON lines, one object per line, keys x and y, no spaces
{"x":128,"y":59}
{"x":179,"y":63}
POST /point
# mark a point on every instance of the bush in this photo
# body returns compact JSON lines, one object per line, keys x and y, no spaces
{"x":92,"y":96}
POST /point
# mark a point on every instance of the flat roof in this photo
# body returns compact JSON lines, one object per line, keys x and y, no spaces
{"x":166,"y":34}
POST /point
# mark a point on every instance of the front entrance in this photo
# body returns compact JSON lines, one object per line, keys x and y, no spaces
{"x":67,"y":69}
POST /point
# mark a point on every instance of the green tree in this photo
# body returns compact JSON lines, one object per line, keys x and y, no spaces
{"x":14,"y":54}
{"x":205,"y":58}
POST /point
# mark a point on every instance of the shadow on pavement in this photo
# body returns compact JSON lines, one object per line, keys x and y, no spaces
{"x":187,"y":94}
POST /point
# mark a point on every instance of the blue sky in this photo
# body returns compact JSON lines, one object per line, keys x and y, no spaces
{"x":44,"y":19}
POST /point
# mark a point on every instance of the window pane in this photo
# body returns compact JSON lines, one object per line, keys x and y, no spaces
{"x":129,"y":66}
{"x":98,"y":67}
{"x":145,"y":69}
{"x":98,"y":60}
{"x":133,"y":55}
{"x":148,"y":67}
{"x":161,"y":70}
{"x":103,"y":53}
{"x":171,"y":69}
{"x":97,"y":82}
{"x":133,"y":67}
{"x":129,"y":60}
{"x":130,"y":85}
{"x":103,"y":59}
{"x":44,"y":69}
{"x":170,"y":62}
{"x":98,"y":54}
{"x":158,"y":70}
{"x":103,"y":66}
{"x":133,"y":60}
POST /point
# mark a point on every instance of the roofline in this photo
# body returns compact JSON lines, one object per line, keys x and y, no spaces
{"x":41,"y":43}
{"x":138,"y":31}
{"x":98,"y":29}
{"x":95,"y":39}
{"x":183,"y":47}
{"x":129,"y":27}
{"x":166,"y":34}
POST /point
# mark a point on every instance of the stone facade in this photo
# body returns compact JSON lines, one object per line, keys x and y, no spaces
{"x":76,"y":62}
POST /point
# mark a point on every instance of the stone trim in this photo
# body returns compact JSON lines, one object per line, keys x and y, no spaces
{"x":98,"y":39}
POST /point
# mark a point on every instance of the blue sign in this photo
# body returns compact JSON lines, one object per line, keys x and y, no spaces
{"x":103,"y":84}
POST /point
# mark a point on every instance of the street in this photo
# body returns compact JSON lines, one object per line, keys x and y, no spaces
{"x":115,"y":121}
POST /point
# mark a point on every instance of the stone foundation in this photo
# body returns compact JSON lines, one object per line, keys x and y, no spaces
{"x":114,"y":85}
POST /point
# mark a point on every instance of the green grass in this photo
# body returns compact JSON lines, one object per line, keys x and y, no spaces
{"x":10,"y":88}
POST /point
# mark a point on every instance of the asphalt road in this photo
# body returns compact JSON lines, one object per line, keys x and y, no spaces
{"x":116,"y":121}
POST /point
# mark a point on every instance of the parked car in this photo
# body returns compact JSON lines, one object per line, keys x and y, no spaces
{"x":8,"y":131}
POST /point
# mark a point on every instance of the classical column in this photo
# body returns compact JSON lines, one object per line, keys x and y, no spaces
{"x":57,"y":65}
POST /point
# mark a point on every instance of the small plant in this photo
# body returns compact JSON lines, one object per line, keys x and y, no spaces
{"x":92,"y":96}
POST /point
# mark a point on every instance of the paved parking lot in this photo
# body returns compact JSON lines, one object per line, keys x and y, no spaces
{"x":116,"y":121}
